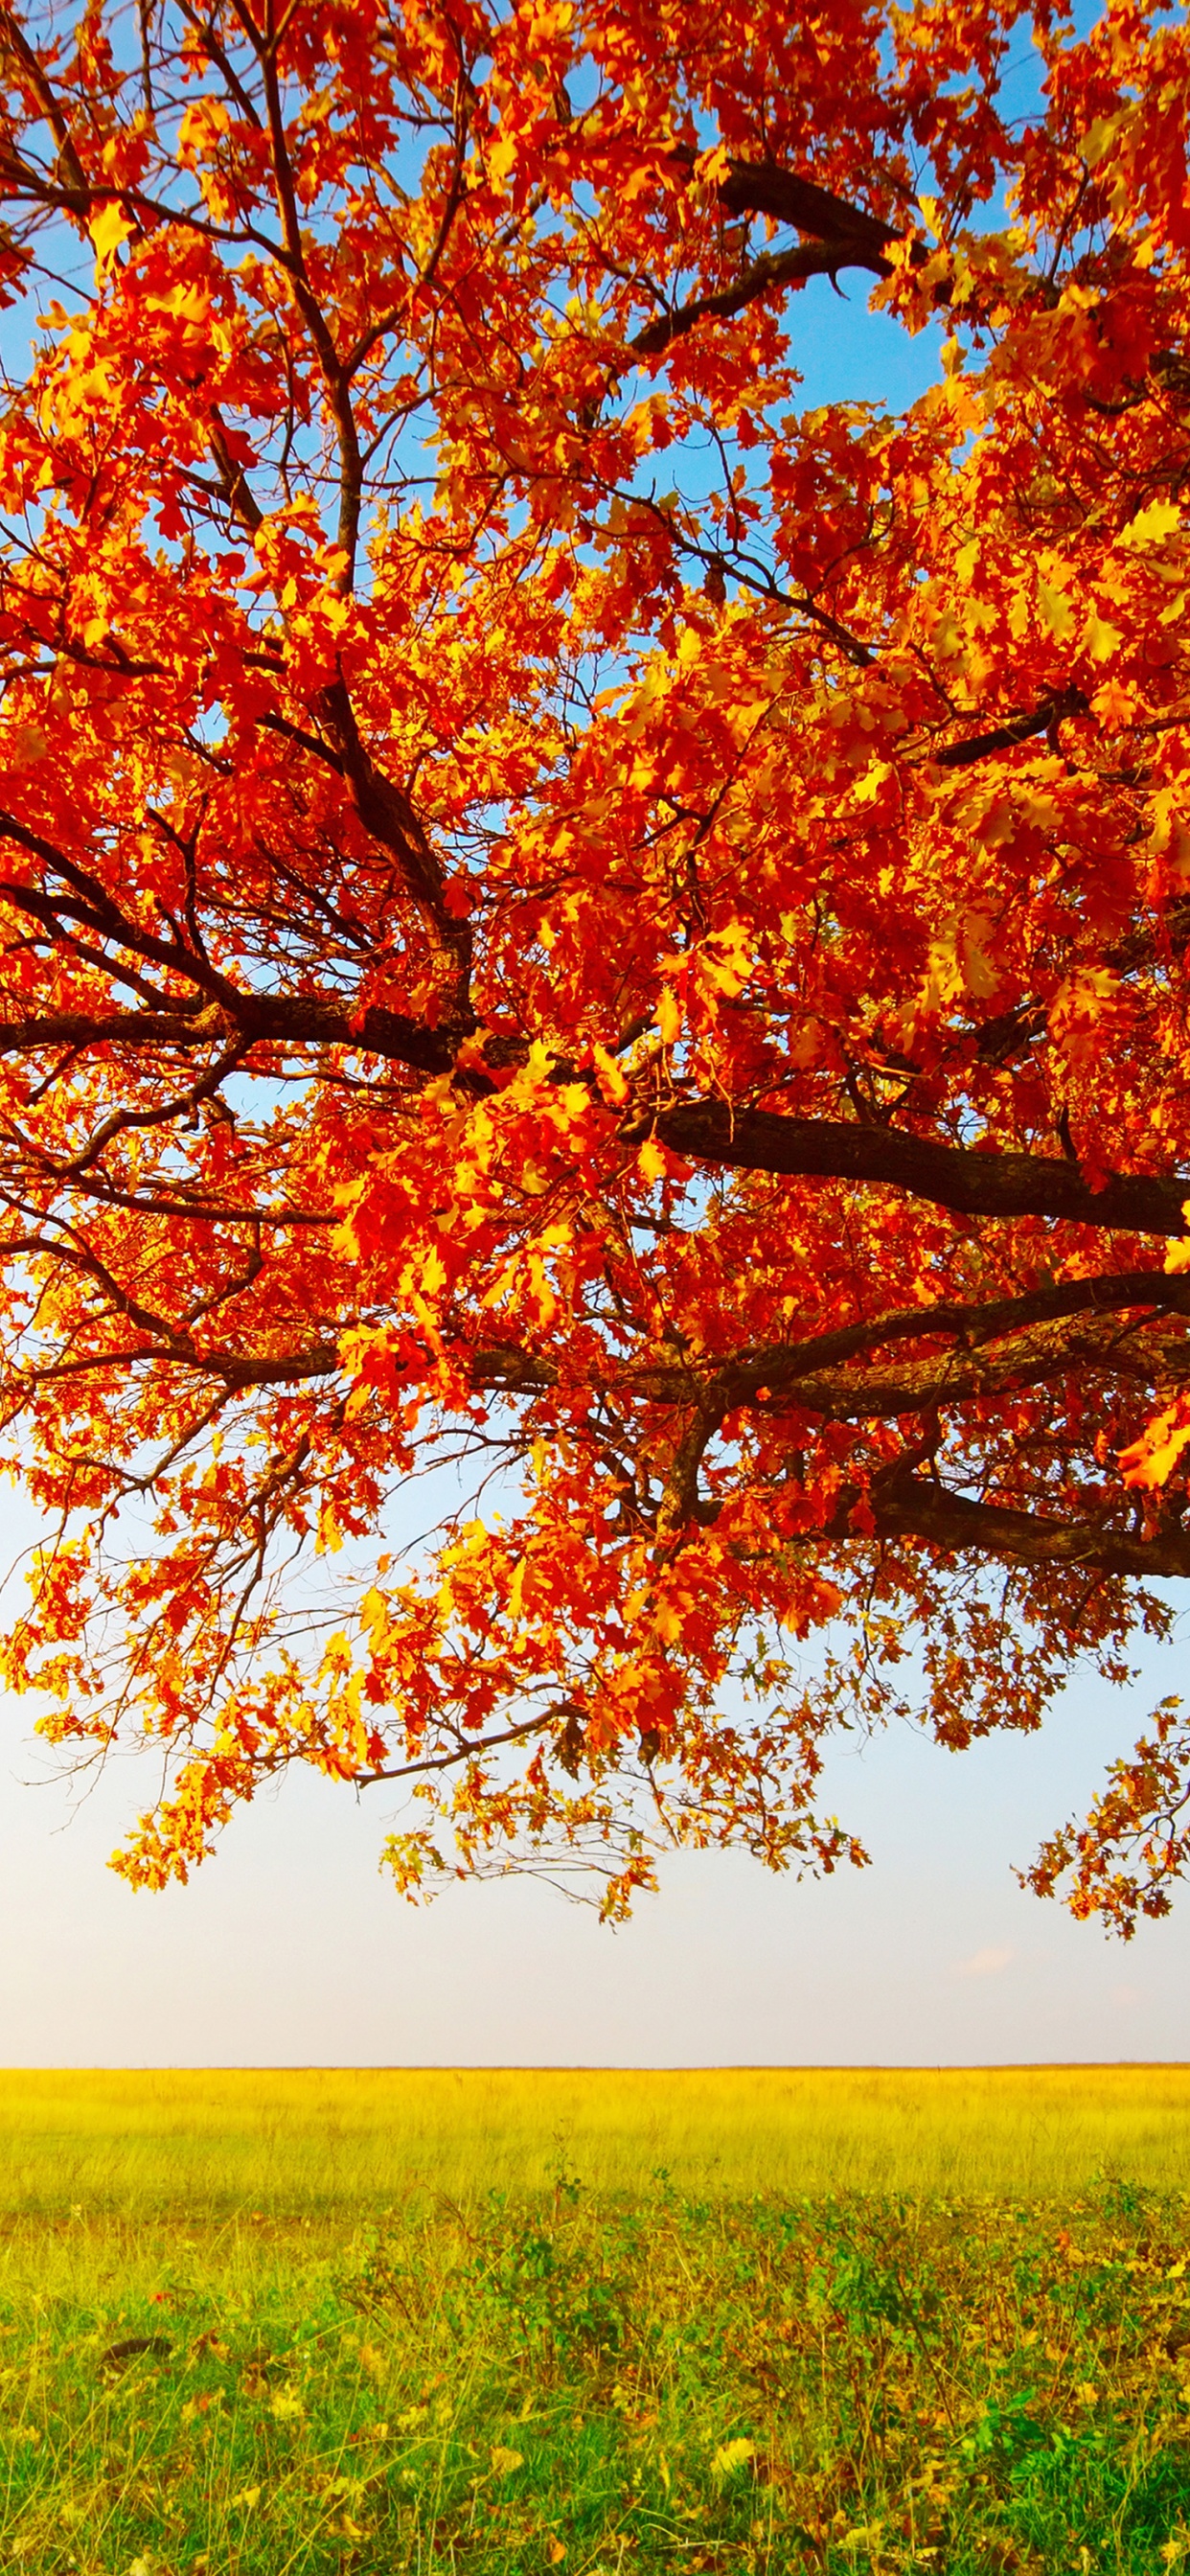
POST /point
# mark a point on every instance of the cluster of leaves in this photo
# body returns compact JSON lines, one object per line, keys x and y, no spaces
{"x":571,"y":924}
{"x":512,"y":2387}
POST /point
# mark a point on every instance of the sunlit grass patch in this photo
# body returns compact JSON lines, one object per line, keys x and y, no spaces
{"x":640,"y":2376}
{"x":312,"y":2139}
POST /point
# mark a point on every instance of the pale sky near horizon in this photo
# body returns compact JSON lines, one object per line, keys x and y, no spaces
{"x":290,"y":1949}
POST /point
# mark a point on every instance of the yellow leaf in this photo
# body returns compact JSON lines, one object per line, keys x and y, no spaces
{"x":1113,"y":704}
{"x":373,"y":1615}
{"x":651,"y":1160}
{"x":1161,"y":519}
{"x":108,"y":229}
{"x":725,"y":963}
{"x":1055,"y":609}
{"x":731,"y":2456}
{"x":669,"y":1015}
{"x":501,"y":156}
{"x":611,"y":1078}
{"x":1178,"y":1257}
{"x":505,"y":2461}
{"x":1099,"y":138}
{"x":979,"y":974}
{"x":185,"y":303}
{"x":1100,"y":639}
{"x":1149,"y":1460}
{"x":204,"y":121}
{"x":1042,"y":810}
{"x":1077,"y":1009}
{"x":714,"y":164}
{"x":246,"y":2498}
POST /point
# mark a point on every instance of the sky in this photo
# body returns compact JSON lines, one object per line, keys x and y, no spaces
{"x":291,"y":1949}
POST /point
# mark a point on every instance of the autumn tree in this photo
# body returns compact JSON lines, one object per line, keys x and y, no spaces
{"x":594,"y":1031}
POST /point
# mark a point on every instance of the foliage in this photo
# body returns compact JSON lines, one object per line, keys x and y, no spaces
{"x":579,"y":931}
{"x":834,"y":2384}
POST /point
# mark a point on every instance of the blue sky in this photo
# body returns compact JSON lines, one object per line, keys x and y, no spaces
{"x":290,"y":1948}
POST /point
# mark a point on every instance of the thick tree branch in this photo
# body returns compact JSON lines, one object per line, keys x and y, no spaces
{"x":265,"y":1019}
{"x":1030,"y":1327}
{"x":954,"y":1176}
{"x":917,"y":1509}
{"x":1015,"y":729}
{"x":778,"y":268}
{"x":764,"y":188}
{"x":835,"y":234}
{"x":962,"y":1377}
{"x":14,"y":37}
{"x":1016,"y":1342}
{"x":233,"y":1371}
{"x":1043,"y":1332}
{"x":982,"y":1321}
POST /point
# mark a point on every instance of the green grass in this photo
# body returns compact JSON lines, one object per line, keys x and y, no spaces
{"x":525,"y":2357}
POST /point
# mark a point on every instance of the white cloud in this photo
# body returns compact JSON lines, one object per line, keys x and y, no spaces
{"x":984,"y":1963}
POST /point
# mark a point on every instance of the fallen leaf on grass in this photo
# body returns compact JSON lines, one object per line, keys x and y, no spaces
{"x":731,"y":2456}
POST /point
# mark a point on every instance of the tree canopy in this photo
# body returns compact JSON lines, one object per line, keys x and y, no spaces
{"x":595,"y":1141}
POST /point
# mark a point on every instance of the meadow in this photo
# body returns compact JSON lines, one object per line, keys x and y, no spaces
{"x":268,"y":2324}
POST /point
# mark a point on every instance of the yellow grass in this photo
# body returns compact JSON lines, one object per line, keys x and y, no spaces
{"x":311,"y":2139}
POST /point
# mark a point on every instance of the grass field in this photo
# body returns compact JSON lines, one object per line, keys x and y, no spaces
{"x":309,"y":2139}
{"x":257,"y":2324}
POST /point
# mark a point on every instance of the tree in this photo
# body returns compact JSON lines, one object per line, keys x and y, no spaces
{"x":579,"y":937}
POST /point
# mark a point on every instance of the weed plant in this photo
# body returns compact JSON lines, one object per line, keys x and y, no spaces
{"x":601,"y":2383}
